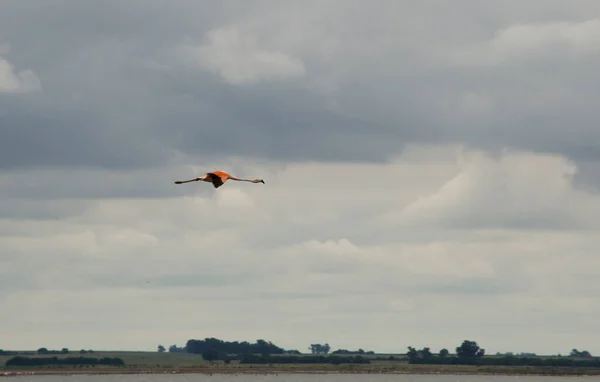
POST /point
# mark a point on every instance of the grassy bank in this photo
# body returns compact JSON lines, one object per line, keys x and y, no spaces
{"x":136,"y":359}
{"x":154,"y":362}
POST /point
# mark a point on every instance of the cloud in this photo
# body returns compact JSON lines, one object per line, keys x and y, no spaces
{"x":308,"y":252}
{"x":239,"y":60}
{"x":381,"y":83}
{"x":11,"y":81}
{"x":4,"y":48}
{"x":524,"y":190}
{"x":542,"y":39}
{"x":538,"y":44}
{"x":24,"y":81}
{"x":422,"y":163}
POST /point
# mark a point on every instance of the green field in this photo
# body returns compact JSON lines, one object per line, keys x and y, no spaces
{"x":191,"y":362}
{"x":135,"y":358}
{"x":170,"y":360}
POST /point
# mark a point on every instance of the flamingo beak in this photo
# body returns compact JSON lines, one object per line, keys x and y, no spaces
{"x":262,"y":181}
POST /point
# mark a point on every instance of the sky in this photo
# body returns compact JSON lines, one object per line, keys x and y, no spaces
{"x":431,"y":174}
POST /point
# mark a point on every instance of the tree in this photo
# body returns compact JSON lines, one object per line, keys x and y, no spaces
{"x":161,"y":349}
{"x":226,"y":347}
{"x":42,"y":351}
{"x":580,"y":354}
{"x":64,"y":351}
{"x":425,"y":353}
{"x":415,"y":355}
{"x":469,"y":349}
{"x":412,"y":354}
{"x":175,"y":349}
{"x":444,"y":353}
{"x":319,"y":349}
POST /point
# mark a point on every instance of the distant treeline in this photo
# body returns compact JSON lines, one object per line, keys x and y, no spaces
{"x":43,"y":361}
{"x":469,"y":353}
{"x":262,"y":352}
{"x":220,"y":346}
{"x":47,"y":351}
{"x":359,"y":351}
{"x":336,"y":360}
{"x":214,"y":345}
{"x":41,"y":351}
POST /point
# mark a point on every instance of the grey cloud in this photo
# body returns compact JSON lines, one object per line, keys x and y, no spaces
{"x":204,"y":279}
{"x":10,"y":279}
{"x":47,"y":136}
{"x":88,"y":205}
{"x":44,"y":188}
{"x":483,"y":286}
{"x":117,"y":95}
{"x":29,"y":209}
{"x":588,"y":176}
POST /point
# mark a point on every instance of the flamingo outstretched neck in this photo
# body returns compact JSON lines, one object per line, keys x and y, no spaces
{"x":218,"y":178}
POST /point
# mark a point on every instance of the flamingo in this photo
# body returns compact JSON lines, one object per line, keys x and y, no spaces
{"x":218,"y":178}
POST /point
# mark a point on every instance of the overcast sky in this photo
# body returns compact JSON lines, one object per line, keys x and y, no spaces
{"x":432,"y":173}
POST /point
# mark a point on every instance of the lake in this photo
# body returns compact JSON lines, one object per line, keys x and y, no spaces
{"x":290,"y":378}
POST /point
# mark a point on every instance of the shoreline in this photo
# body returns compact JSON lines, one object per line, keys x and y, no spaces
{"x":283,"y":370}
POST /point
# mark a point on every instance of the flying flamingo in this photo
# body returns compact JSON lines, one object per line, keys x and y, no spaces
{"x":218,"y":178}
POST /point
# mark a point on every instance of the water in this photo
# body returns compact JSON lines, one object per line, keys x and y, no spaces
{"x":289,"y":378}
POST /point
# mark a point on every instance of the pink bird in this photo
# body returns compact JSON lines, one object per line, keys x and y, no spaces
{"x":218,"y":178}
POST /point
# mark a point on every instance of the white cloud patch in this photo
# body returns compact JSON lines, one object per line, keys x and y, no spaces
{"x":512,"y":190}
{"x":522,"y":43}
{"x":232,"y":200}
{"x":11,"y":81}
{"x":317,"y":255}
{"x":239,"y":59}
{"x":533,"y":39}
